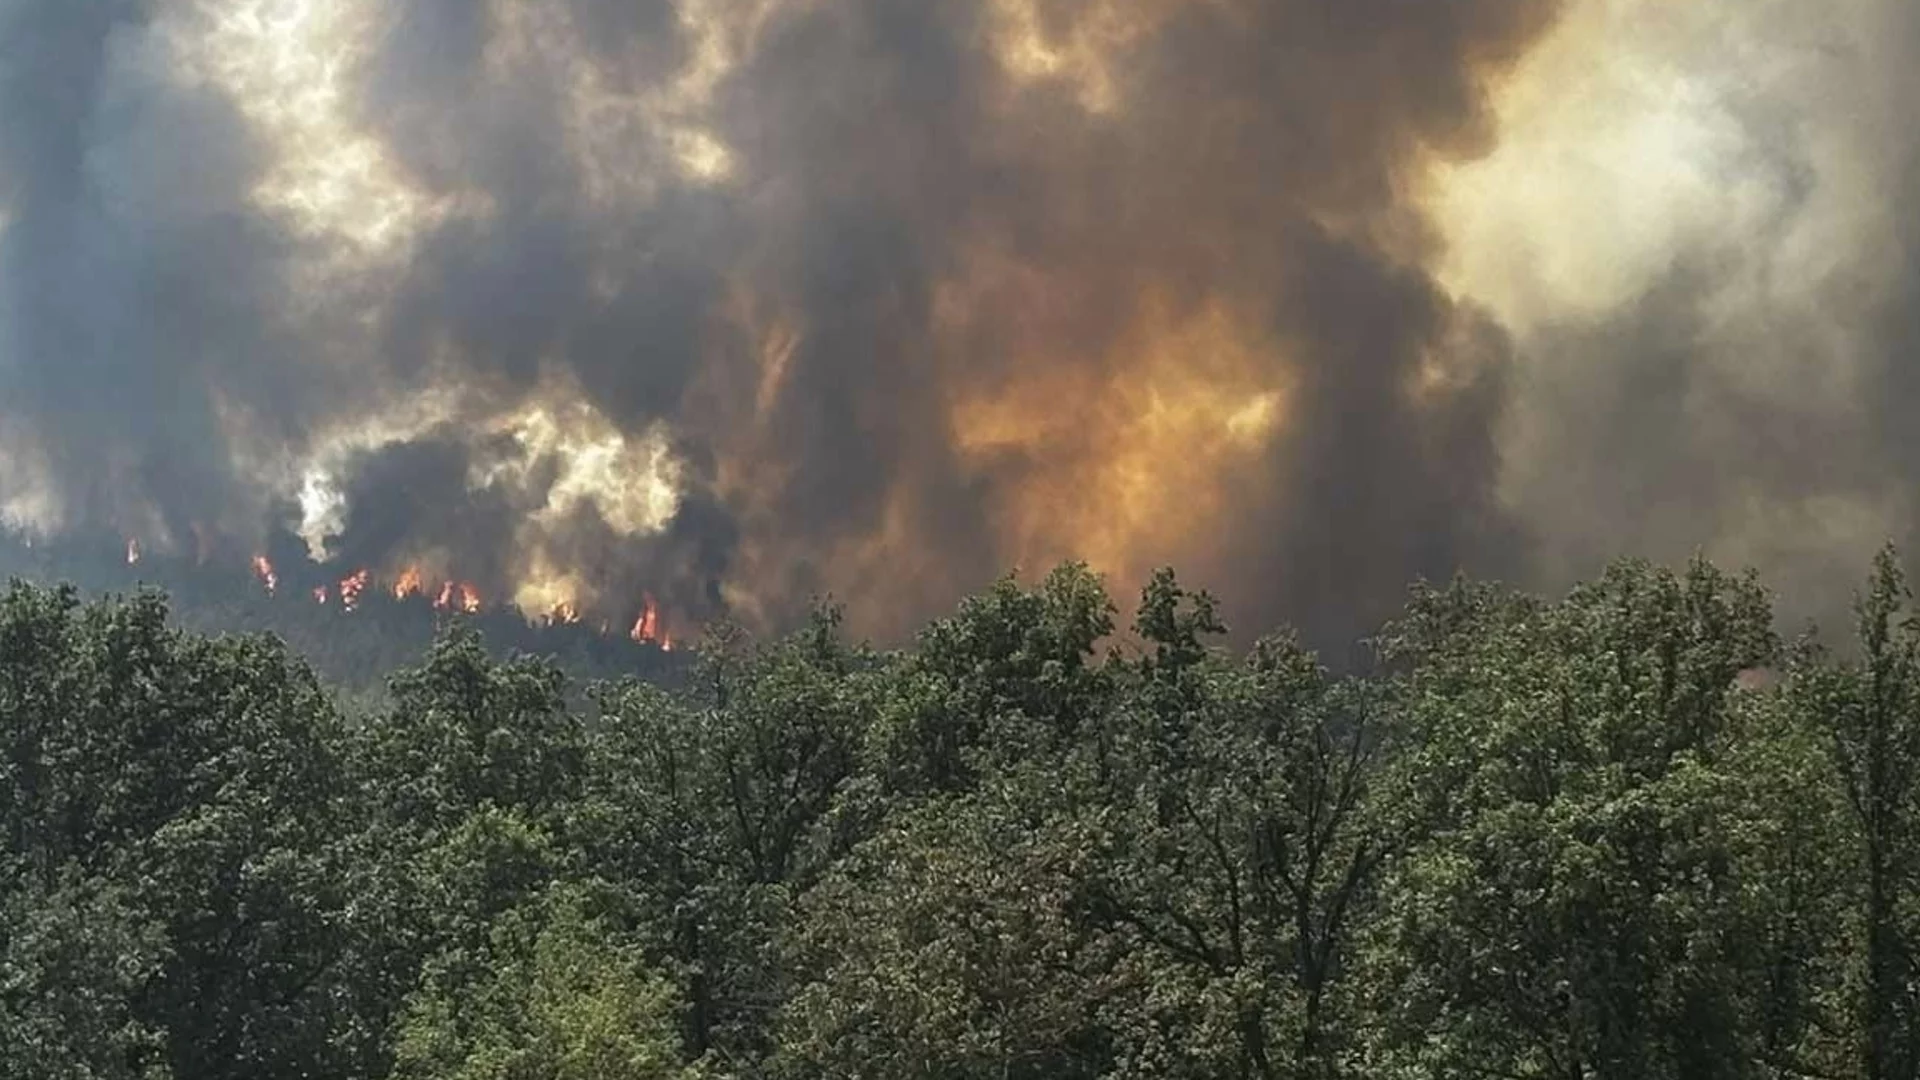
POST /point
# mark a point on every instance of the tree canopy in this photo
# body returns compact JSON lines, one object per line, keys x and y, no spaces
{"x":1626,"y":832}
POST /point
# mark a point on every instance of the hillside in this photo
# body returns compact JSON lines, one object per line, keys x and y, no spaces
{"x":353,"y":647}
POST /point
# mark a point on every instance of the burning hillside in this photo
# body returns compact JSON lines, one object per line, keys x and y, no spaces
{"x":355,"y":626}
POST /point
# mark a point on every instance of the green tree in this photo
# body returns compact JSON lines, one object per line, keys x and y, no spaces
{"x":1872,"y":708}
{"x":75,"y":954}
{"x":712,"y":813}
{"x":1571,"y":907}
{"x":1235,"y":852}
{"x":947,"y":945}
{"x":550,"y":994}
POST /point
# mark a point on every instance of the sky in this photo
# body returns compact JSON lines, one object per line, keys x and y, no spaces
{"x":743,"y":303}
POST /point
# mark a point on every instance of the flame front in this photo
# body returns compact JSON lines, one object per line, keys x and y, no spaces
{"x":446,"y":595}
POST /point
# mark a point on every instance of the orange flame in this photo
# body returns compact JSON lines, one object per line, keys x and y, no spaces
{"x":564,"y":614}
{"x":320,"y":594}
{"x":458,"y":596}
{"x":351,"y":587}
{"x":263,"y":569}
{"x":646,"y":628}
{"x":408,"y":583}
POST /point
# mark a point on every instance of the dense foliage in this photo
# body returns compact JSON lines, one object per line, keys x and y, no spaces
{"x":1622,"y":834}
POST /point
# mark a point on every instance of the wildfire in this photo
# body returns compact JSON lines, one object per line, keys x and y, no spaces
{"x":646,"y":628}
{"x":263,"y":569}
{"x":447,"y":596}
{"x":351,"y":587}
{"x":458,"y":596}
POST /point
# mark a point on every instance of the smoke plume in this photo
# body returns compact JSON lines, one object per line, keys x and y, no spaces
{"x":739,"y":302}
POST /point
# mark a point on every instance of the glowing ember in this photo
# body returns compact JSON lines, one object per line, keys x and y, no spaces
{"x":351,"y":587}
{"x":263,"y":569}
{"x":408,"y":584}
{"x":320,"y":594}
{"x":133,"y":551}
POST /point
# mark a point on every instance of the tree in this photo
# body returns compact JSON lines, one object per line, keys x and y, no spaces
{"x":1571,"y":907}
{"x":191,"y":787}
{"x":1872,"y":708}
{"x":75,"y":953}
{"x":1235,"y":853}
{"x":947,"y":945}
{"x":551,"y":994}
{"x":713,"y":814}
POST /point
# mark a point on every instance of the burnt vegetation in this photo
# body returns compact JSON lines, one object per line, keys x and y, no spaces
{"x":1626,"y":832}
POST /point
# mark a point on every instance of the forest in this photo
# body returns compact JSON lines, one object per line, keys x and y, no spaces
{"x":352,"y":650}
{"x":1629,"y":831}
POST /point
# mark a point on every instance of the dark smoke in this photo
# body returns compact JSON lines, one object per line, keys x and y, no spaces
{"x":930,"y":229}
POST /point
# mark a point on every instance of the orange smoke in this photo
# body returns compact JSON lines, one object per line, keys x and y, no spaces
{"x":1186,"y":400}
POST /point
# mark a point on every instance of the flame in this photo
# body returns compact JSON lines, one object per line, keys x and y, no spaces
{"x":646,"y":628}
{"x":351,"y":587}
{"x":449,"y":595}
{"x":458,"y":596}
{"x":263,"y":569}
